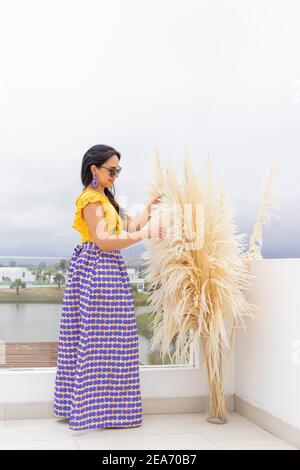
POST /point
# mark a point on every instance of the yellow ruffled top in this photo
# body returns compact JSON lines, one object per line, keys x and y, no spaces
{"x":114,"y":221}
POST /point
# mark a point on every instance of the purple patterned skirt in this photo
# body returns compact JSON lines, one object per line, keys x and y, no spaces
{"x":97,"y":382}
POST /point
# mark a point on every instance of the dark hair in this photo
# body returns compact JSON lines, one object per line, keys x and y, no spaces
{"x":97,"y":155}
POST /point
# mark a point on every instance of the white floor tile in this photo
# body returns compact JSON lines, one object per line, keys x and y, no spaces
{"x":174,"y":442}
{"x":239,"y":432}
{"x":266,"y":447}
{"x":19,"y":430}
{"x":160,"y":424}
{"x":64,"y":444}
{"x":36,"y":423}
{"x":159,"y":431}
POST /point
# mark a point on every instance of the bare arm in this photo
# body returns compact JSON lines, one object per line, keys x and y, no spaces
{"x":96,"y":223}
{"x":133,"y":224}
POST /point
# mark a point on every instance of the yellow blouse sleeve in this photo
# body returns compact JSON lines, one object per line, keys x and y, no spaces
{"x":83,"y":199}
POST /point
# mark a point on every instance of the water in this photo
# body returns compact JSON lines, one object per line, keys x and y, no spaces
{"x":40,"y":323}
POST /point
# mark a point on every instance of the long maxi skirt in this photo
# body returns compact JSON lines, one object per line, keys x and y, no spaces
{"x":97,"y":383}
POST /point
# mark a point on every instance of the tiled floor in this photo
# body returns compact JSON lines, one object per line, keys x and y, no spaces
{"x":161,"y":431}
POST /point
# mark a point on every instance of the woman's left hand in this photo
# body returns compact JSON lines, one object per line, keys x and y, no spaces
{"x":155,"y":200}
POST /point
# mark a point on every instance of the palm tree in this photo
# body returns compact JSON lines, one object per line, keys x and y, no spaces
{"x":17,"y":283}
{"x":59,"y":279}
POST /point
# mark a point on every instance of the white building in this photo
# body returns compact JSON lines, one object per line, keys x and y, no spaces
{"x":140,"y":283}
{"x":16,"y":273}
{"x":131,"y":274}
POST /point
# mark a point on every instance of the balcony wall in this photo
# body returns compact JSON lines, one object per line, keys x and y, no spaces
{"x":267,"y":357}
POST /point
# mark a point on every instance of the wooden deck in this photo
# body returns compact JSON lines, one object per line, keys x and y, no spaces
{"x":28,"y":355}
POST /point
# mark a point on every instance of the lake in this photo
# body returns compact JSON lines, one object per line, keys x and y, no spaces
{"x":40,"y":323}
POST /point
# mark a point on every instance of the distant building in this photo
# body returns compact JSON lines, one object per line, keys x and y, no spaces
{"x":14,"y":273}
{"x":139,"y":282}
{"x":131,"y":274}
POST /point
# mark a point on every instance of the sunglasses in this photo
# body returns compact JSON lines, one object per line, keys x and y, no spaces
{"x":113,"y":171}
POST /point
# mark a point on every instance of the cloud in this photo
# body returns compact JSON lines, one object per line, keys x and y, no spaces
{"x":142,"y":76}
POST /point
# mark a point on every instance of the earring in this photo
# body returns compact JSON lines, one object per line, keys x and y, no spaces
{"x":94,"y":181}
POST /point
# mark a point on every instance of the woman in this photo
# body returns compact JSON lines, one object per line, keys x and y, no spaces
{"x":97,"y":382}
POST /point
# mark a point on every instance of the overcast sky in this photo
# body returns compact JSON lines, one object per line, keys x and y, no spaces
{"x":221,"y":76}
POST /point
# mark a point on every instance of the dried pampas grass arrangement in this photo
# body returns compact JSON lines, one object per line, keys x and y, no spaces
{"x":269,"y":200}
{"x":198,"y":273}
